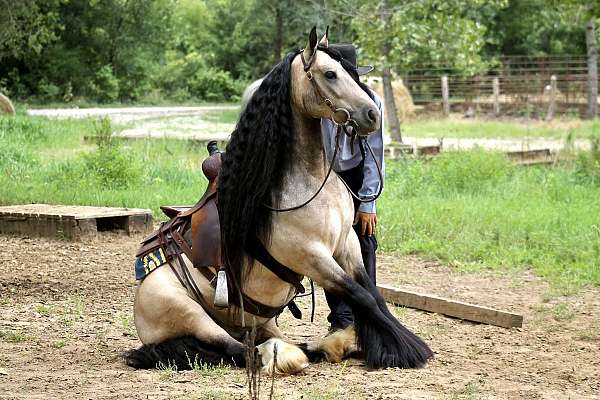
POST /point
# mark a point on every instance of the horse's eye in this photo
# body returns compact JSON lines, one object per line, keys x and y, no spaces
{"x":330,"y":75}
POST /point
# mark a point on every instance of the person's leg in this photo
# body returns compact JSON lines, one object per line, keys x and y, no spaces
{"x":341,"y":314}
{"x":368,"y":247}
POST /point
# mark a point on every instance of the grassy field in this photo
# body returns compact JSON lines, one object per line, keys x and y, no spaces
{"x":48,"y":161}
{"x":475,"y":210}
{"x":472,"y":209}
{"x":458,"y":127}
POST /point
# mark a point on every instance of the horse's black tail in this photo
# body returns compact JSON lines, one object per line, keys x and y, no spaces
{"x":384,"y":341}
{"x":183,"y":353}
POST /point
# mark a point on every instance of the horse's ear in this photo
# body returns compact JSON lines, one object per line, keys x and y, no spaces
{"x":312,"y":44}
{"x":325,"y":40}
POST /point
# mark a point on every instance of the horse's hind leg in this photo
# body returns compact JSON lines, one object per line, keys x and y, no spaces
{"x":177,"y":330}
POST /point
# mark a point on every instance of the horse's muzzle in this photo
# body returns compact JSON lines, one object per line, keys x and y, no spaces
{"x":368,"y":120}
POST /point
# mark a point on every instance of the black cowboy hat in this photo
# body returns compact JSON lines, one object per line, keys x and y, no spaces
{"x":348,"y":52}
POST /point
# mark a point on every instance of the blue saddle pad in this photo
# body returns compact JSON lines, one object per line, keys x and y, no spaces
{"x":148,"y":263}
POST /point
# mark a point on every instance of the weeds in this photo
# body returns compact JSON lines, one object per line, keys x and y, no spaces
{"x":127,"y":325}
{"x":167,"y":370}
{"x":43,"y":309}
{"x":74,"y":310}
{"x":471,"y":391}
{"x":204,"y":369}
{"x":13,"y":336}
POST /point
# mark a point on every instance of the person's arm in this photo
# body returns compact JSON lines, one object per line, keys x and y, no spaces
{"x":367,"y":213}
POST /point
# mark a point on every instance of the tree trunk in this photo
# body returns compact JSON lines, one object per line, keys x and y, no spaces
{"x":390,"y":111}
{"x":278,"y":39}
{"x":592,"y":53}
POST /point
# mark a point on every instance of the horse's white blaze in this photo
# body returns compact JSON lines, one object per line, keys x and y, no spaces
{"x":337,"y":345}
{"x":290,"y":359}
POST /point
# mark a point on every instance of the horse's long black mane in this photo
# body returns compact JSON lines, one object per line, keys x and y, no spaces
{"x":255,"y":162}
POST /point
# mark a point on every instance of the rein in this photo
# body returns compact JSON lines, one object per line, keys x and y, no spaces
{"x":341,"y":126}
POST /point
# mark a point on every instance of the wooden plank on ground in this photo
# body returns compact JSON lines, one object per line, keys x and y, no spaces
{"x":457,"y":309}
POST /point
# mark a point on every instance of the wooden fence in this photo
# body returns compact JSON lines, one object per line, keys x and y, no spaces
{"x":518,"y":85}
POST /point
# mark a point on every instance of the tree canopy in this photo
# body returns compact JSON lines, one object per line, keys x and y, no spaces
{"x":148,"y":50}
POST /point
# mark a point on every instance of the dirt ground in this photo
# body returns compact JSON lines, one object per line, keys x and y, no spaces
{"x":66,"y":316}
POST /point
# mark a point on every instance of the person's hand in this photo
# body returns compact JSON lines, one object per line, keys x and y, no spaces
{"x":368,"y":222}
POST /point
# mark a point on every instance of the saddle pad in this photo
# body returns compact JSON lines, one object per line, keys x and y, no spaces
{"x":148,"y":263}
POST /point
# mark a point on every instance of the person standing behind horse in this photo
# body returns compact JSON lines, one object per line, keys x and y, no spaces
{"x":356,"y":166}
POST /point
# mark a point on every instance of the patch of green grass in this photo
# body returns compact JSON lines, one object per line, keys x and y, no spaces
{"x":127,"y":324}
{"x":474,"y":210}
{"x":43,"y":309}
{"x":207,"y":370}
{"x":59,"y":344}
{"x":47,"y":161}
{"x":167,"y":370}
{"x":479,"y":128}
{"x":223,"y":116}
{"x":591,"y":334}
{"x":471,"y":391}
{"x":13,"y":336}
{"x":212,"y":394}
{"x":320,"y":394}
{"x":560,"y":312}
{"x":73,"y":310}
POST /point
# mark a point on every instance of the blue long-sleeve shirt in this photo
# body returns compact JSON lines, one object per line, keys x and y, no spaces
{"x":349,"y":157}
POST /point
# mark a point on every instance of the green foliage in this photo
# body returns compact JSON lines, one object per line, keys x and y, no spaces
{"x":536,"y":27}
{"x":110,"y":163}
{"x":475,"y":212}
{"x":419,"y":32}
{"x":189,"y":50}
{"x":65,"y":170}
{"x":26,"y":26}
{"x":213,"y":85}
{"x":105,"y":86}
{"x":587,"y":166}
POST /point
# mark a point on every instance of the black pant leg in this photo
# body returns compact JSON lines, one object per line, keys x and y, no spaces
{"x":341,"y":314}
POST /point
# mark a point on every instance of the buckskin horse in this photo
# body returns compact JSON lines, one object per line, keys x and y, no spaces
{"x":277,"y":205}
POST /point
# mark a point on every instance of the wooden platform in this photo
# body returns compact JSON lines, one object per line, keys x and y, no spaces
{"x":532,"y":157}
{"x":394,"y":152}
{"x":72,"y":222}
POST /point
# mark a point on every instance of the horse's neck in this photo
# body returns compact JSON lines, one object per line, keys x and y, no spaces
{"x":309,"y":155}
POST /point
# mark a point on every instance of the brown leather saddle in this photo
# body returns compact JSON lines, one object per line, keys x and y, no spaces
{"x":195,"y":231}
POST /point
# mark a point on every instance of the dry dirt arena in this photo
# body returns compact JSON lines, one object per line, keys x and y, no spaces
{"x":66,"y":316}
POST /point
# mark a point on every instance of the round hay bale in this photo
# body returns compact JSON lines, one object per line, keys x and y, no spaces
{"x":402,"y":97}
{"x":6,"y":106}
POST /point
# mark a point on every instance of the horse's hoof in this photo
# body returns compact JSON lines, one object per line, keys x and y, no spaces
{"x":290,"y":359}
{"x":337,"y":345}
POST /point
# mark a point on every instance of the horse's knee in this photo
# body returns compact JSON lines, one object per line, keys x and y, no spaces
{"x":290,"y":359}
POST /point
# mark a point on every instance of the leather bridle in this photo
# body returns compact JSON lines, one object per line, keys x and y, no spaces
{"x":322,"y":99}
{"x":341,"y":127}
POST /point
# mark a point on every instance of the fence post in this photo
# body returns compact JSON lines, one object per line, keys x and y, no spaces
{"x":445,"y":96}
{"x":552,"y":102}
{"x":592,"y":53}
{"x":496,"y":88}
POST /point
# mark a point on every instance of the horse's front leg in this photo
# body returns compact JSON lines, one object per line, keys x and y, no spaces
{"x":381,"y":338}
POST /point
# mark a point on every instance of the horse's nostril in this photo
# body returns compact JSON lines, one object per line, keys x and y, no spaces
{"x":372,"y":115}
